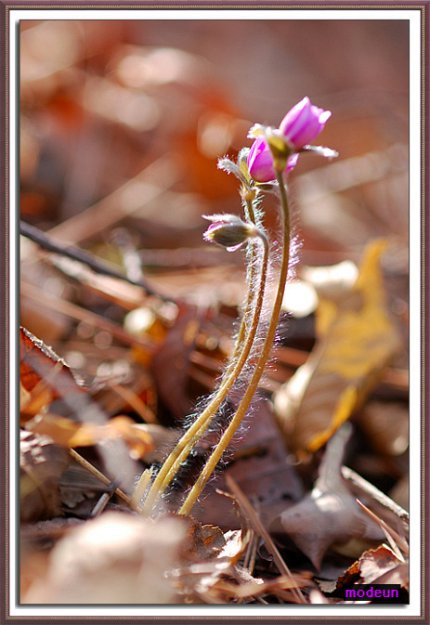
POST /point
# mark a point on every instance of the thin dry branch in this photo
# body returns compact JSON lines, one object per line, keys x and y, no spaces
{"x":256,"y":524}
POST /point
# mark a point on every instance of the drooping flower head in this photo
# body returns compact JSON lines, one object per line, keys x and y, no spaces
{"x":229,"y":231}
{"x":300,"y":126}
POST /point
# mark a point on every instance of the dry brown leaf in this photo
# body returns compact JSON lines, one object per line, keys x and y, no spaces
{"x":332,"y":284}
{"x":115,"y":558}
{"x":207,"y":541}
{"x":35,"y":402}
{"x":261,"y":469}
{"x":42,"y":371}
{"x":171,"y":362}
{"x":328,"y":515}
{"x":38,"y":360}
{"x":214,"y":557}
{"x":70,"y":434}
{"x":357,"y":342}
{"x":42,"y":463}
{"x":371,"y":566}
{"x":247,"y":587}
{"x":384,"y":507}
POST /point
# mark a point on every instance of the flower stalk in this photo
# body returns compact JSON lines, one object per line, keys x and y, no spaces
{"x":238,"y":360}
{"x":273,"y":155}
{"x":226,"y":438}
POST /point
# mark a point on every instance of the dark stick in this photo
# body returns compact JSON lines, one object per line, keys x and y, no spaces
{"x":75,"y":253}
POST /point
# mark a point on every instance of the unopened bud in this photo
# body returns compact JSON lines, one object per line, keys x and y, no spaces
{"x":229,"y":231}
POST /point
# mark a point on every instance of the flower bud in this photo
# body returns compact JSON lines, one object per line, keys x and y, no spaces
{"x":303,"y":123}
{"x":229,"y":231}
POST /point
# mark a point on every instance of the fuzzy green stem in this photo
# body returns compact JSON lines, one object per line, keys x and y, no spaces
{"x":194,"y":433}
{"x":226,"y":438}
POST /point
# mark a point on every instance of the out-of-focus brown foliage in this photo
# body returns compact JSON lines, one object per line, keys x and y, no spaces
{"x":122,"y":123}
{"x":42,"y":463}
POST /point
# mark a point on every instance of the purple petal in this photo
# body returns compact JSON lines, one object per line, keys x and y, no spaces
{"x":303,"y":123}
{"x":292,"y":162}
{"x":260,"y":161}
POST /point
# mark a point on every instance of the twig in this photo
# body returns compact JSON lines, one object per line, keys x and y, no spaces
{"x":76,"y":312}
{"x":134,"y":196}
{"x":102,"y":503}
{"x":100,"y":476}
{"x":259,"y":528}
{"x":393,"y":537}
{"x":251,"y":554}
{"x":77,"y":254}
{"x":365,"y":487}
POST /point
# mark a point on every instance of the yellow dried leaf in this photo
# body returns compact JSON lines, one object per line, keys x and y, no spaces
{"x":345,"y":405}
{"x":356,"y":342}
{"x":70,"y":434}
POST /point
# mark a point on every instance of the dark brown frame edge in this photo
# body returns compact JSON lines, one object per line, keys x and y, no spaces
{"x":7,"y":325}
{"x":4,"y":307}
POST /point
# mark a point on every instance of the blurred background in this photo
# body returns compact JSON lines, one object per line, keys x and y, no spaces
{"x":104,"y":102}
{"x":122,"y":123}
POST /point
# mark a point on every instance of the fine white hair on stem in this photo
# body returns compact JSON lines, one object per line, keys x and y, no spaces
{"x":239,"y":385}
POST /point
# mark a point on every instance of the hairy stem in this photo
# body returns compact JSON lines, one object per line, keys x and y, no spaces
{"x":250,"y":277}
{"x":238,"y":360}
{"x":226,"y":438}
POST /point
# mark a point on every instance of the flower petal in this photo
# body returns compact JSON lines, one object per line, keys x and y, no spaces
{"x":303,"y":123}
{"x":260,"y":161}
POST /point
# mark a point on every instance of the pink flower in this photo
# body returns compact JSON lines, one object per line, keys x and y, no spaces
{"x":300,"y":126}
{"x":260,"y":161}
{"x":303,"y":123}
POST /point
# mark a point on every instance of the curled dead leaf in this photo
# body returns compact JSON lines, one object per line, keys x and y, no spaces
{"x":376,"y":565}
{"x":212,"y":559}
